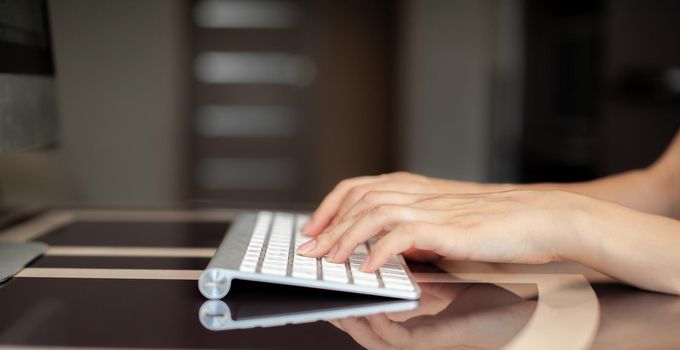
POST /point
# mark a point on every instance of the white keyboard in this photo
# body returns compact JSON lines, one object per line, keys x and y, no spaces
{"x":263,"y":247}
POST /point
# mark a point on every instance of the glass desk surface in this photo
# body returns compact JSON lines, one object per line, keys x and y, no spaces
{"x":135,"y":287}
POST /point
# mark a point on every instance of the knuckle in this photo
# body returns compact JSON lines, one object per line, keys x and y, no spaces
{"x":383,"y":209}
{"x":371,"y":197}
{"x":343,"y":183}
{"x":355,"y":192}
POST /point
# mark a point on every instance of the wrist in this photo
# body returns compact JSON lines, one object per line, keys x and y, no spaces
{"x":578,"y":237}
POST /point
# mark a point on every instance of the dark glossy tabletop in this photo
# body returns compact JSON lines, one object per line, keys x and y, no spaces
{"x":142,"y":293}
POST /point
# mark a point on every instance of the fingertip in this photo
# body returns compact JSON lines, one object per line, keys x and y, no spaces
{"x":308,"y":231}
{"x":313,"y":228}
{"x":332,"y":253}
{"x":307,"y":247}
{"x":367,"y":265}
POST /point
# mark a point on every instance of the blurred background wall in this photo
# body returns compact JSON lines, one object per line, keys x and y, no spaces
{"x":271,"y":102}
{"x":120,"y":68}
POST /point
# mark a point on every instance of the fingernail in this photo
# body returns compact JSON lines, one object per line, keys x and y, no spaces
{"x":307,"y":247}
{"x":365,"y":265}
{"x":331,"y":254}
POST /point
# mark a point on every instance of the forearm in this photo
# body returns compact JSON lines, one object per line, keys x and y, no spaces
{"x":652,"y":190}
{"x":636,"y":189}
{"x":638,"y":248}
{"x":644,"y":190}
{"x":655,"y":189}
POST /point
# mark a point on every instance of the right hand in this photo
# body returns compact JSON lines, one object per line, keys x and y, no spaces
{"x":520,"y":226}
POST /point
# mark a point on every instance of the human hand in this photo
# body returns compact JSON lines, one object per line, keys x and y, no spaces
{"x":526,"y":226}
{"x":348,"y":192}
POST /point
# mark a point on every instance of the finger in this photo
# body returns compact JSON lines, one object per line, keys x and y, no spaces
{"x":374,"y":198}
{"x":391,"y":332}
{"x":323,"y":242}
{"x":362,"y":333}
{"x":380,"y":218}
{"x":330,"y":204}
{"x":420,"y":235}
{"x":354,"y":195}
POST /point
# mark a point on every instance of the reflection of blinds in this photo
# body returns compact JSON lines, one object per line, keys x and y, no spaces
{"x":251,"y":75}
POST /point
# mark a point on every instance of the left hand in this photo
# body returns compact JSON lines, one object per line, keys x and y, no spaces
{"x":526,"y":226}
{"x":349,"y":191}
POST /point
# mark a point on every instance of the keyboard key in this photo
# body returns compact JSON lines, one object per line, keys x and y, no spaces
{"x":251,"y":257}
{"x":392,"y":272}
{"x":309,"y":268}
{"x":394,"y":283}
{"x":327,"y":265}
{"x":336,"y":278}
{"x":356,"y":274}
{"x":306,"y":274}
{"x":281,"y":232}
{"x":400,"y":286}
{"x":368,"y":283}
{"x":277,"y":251}
{"x":304,"y":267}
{"x":274,"y":269}
{"x":364,"y":278}
{"x":303,"y":263}
{"x":283,"y":254}
{"x":333,"y":272}
{"x":248,"y":267}
{"x":395,"y":278}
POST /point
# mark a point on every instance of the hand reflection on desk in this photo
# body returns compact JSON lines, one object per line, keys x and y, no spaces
{"x":449,"y":315}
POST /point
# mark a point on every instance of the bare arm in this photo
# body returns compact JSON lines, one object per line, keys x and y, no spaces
{"x":655,"y":189}
{"x":620,"y":225}
{"x":517,"y":226}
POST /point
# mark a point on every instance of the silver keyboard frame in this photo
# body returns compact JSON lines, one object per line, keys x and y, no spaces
{"x":215,"y":281}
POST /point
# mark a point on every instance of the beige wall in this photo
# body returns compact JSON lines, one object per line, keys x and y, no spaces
{"x":120,"y":82}
{"x":121,"y":66}
{"x":446,"y":82}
